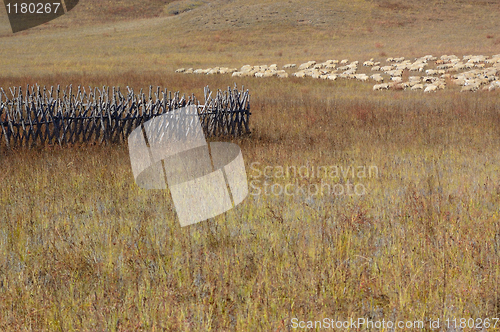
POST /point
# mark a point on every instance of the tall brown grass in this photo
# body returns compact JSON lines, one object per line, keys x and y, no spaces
{"x":83,"y":248}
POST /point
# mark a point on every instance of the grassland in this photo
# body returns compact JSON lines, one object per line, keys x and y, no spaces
{"x":82,"y":248}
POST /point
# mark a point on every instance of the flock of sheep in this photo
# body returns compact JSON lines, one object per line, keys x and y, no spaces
{"x":427,"y":73}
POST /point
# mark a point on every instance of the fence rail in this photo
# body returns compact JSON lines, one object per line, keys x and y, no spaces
{"x":38,"y":116}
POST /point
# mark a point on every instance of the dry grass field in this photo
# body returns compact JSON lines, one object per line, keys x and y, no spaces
{"x":83,"y":248}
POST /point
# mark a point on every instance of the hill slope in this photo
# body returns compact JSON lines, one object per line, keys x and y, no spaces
{"x":110,"y":36}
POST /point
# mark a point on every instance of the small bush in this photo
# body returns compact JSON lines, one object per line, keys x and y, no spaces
{"x":178,"y":7}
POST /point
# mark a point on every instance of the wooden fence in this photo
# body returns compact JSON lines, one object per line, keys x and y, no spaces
{"x":38,"y":116}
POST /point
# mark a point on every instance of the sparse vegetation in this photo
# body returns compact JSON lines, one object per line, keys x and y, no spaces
{"x":83,"y":248}
{"x":178,"y":7}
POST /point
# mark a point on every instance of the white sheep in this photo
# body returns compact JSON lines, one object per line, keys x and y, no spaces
{"x":246,"y":68}
{"x":431,"y":88}
{"x":491,"y":71}
{"x":477,"y":58}
{"x":307,"y":65}
{"x":480,"y":74}
{"x":466,"y":88}
{"x":350,"y":72}
{"x":459,"y":81}
{"x":460,"y":66}
{"x":418,"y":86}
{"x":403,"y":66}
{"x":448,"y":58}
{"x":429,"y":79}
{"x":300,"y":74}
{"x":280,"y":72}
{"x":418,"y":62}
{"x":394,"y":73}
{"x":395,"y":86}
{"x":248,"y":73}
{"x":470,"y":86}
{"x":445,"y":66}
{"x":269,"y":73}
{"x":494,"y":85}
{"x":482,"y":80}
{"x":492,"y":61}
{"x":362,"y":77}
{"x":418,"y":67}
{"x":200,"y":71}
{"x":381,"y":86}
{"x":316,"y":74}
{"x":213,"y":71}
{"x":377,"y":78}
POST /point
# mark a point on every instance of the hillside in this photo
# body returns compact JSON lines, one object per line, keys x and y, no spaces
{"x":147,"y":35}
